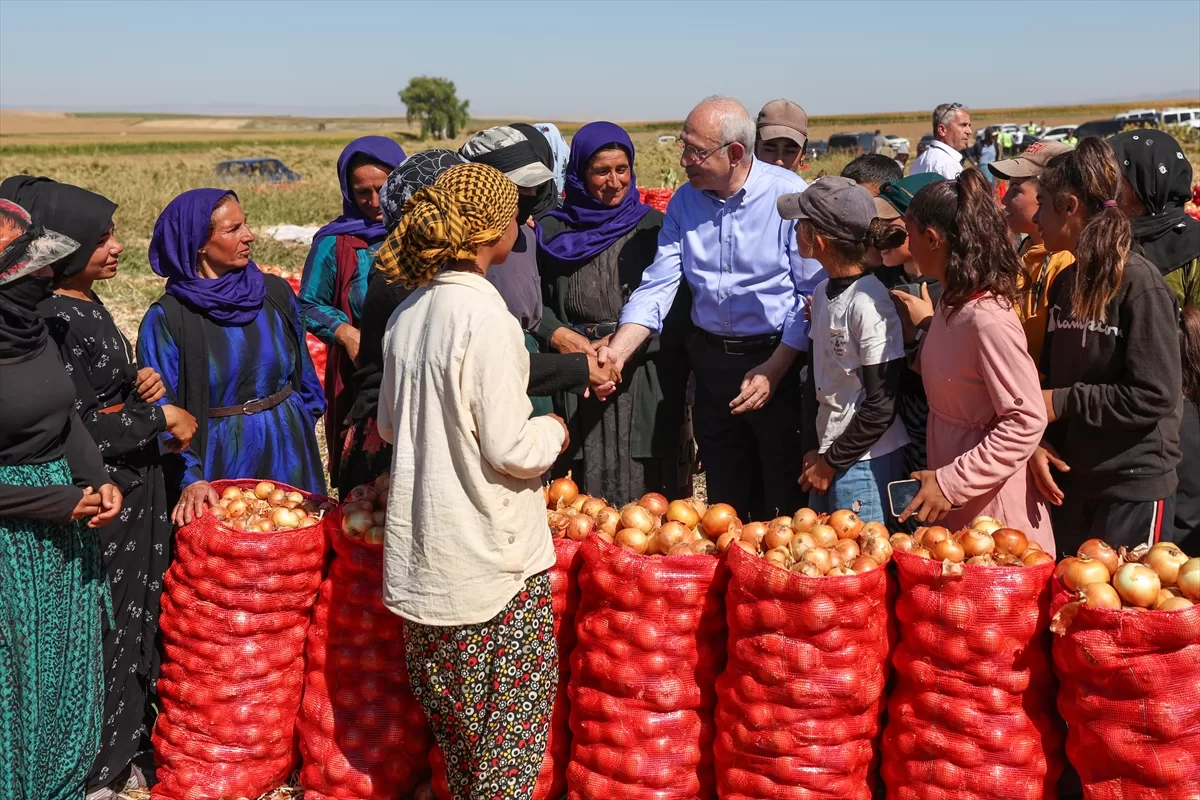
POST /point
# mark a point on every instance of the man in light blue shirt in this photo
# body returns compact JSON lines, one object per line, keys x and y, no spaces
{"x":750,"y":287}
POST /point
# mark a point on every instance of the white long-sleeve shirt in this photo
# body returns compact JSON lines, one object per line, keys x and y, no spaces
{"x":466,"y":520}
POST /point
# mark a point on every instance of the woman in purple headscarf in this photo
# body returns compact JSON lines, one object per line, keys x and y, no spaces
{"x":591,"y":257}
{"x":229,"y":346}
{"x":334,"y":282}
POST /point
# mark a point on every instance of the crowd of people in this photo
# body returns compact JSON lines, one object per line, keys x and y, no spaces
{"x":511,"y":311}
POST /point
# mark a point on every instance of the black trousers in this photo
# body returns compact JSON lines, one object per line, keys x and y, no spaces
{"x":751,"y":460}
{"x":1120,"y":524}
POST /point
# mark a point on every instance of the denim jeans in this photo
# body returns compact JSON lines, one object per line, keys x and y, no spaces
{"x":865,"y":483}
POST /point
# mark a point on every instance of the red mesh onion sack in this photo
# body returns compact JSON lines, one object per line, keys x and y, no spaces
{"x":564,"y":587}
{"x":972,"y":713}
{"x":235,"y":612}
{"x":801,"y":700}
{"x":643,"y":674}
{"x":363,"y":735}
{"x":1129,"y":689}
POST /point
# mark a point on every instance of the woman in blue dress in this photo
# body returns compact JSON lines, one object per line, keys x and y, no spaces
{"x":334,"y":282}
{"x":229,"y":346}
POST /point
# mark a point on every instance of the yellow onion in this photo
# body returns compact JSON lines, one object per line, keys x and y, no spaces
{"x":633,"y":539}
{"x":682,"y":512}
{"x":634,"y":516}
{"x":1165,"y":558}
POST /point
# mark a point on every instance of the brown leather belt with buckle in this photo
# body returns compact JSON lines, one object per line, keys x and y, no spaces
{"x":252,"y":406}
{"x":742,"y":345}
{"x":113,"y":409}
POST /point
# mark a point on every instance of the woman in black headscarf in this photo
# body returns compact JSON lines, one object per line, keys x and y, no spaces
{"x":548,"y":197}
{"x":114,"y":400}
{"x":52,"y":595}
{"x":1157,"y":184}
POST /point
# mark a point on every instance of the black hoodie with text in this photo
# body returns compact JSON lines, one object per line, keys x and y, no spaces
{"x":1117,"y":388}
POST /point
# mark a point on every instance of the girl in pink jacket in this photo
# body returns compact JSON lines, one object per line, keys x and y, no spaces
{"x":986,"y":415}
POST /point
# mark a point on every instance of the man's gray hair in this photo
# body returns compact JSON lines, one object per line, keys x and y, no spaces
{"x":944,"y":111}
{"x":734,"y":120}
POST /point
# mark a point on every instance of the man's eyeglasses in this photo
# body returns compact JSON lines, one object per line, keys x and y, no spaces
{"x":694,"y":156}
{"x":949,"y":112}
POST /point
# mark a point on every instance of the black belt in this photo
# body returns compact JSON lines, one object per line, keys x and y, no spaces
{"x":742,"y":345}
{"x":595,"y":330}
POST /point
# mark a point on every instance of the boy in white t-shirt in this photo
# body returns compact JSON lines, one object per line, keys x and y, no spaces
{"x":856,"y":446}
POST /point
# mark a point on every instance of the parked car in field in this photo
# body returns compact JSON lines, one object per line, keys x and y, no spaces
{"x":895,"y":141}
{"x":1138,"y":115}
{"x":818,"y":148}
{"x":1185,"y":117}
{"x":255,"y":170}
{"x":923,"y":145}
{"x":1058,"y":133}
{"x":1104,"y":128}
{"x":854,"y":142}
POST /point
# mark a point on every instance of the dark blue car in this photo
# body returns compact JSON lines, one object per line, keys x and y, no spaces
{"x":256,"y":170}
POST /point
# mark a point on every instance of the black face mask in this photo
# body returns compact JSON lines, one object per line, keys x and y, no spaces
{"x":525,"y":206}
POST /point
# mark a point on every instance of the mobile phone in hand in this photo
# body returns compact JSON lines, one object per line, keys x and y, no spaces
{"x":900,"y":494}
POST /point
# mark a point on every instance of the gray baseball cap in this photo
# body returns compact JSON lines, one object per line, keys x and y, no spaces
{"x":836,"y":205}
{"x":508,"y":150}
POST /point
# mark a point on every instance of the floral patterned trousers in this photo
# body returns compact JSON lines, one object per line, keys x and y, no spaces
{"x":488,"y":691}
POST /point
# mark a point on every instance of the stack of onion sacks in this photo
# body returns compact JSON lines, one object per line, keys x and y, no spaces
{"x":972,"y":711}
{"x":265,"y":507}
{"x":802,"y":695}
{"x":1127,"y":656}
{"x":815,"y":545}
{"x":363,"y":735}
{"x":653,"y":526}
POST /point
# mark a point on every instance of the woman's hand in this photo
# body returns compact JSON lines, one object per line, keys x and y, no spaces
{"x":1039,"y":465}
{"x":817,"y":474}
{"x":88,"y":505}
{"x":915,"y":312}
{"x":602,"y":379}
{"x":181,"y":425}
{"x":566,"y":432}
{"x":564,"y":340}
{"x":349,"y":337}
{"x":193,"y":501}
{"x":149,"y":385}
{"x":110,"y":505}
{"x":930,"y":504}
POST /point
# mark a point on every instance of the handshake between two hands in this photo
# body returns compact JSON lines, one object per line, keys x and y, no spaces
{"x":604,"y":369}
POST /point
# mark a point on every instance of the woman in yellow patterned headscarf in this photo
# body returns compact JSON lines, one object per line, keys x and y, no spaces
{"x":468,"y":210}
{"x":466,"y":546}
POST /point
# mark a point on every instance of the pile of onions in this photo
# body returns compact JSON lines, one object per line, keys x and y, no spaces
{"x":986,"y":543}
{"x":816,"y":545}
{"x":266,"y":508}
{"x":652,"y":526}
{"x":365,"y":510}
{"x":1160,"y":577}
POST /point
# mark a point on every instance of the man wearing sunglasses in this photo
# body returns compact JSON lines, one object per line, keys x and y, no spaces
{"x":951,"y":135}
{"x":749,"y":288}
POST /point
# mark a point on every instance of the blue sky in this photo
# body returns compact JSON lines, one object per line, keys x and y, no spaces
{"x":580,"y":60}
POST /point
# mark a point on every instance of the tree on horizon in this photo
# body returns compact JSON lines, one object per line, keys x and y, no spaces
{"x":434,"y":101}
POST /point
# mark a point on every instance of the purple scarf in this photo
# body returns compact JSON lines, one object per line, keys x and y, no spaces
{"x":382,"y":151}
{"x":181,"y":230}
{"x":593,"y":227}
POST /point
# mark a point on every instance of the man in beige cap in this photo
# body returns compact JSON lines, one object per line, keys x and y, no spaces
{"x":782,"y":134}
{"x":1020,"y":204}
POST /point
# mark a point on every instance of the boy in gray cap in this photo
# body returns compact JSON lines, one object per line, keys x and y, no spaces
{"x":781,"y":134}
{"x":853,"y":441}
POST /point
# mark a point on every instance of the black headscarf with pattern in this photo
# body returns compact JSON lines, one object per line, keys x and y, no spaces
{"x":1161,"y":177}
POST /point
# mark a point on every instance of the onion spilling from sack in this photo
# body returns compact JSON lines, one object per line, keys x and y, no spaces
{"x":365,"y":510}
{"x":1160,"y":577}
{"x":653,"y":526}
{"x":267,"y":508}
{"x":817,"y":545}
{"x":987,"y":542}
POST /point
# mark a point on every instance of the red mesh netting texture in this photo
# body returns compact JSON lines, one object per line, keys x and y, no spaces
{"x":363,"y":736}
{"x":801,"y":700}
{"x":1129,"y":689}
{"x":235,"y":611}
{"x":972,"y":712}
{"x":564,"y":585}
{"x":643,"y":675}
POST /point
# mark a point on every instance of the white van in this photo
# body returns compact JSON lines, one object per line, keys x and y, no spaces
{"x":1185,"y":117}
